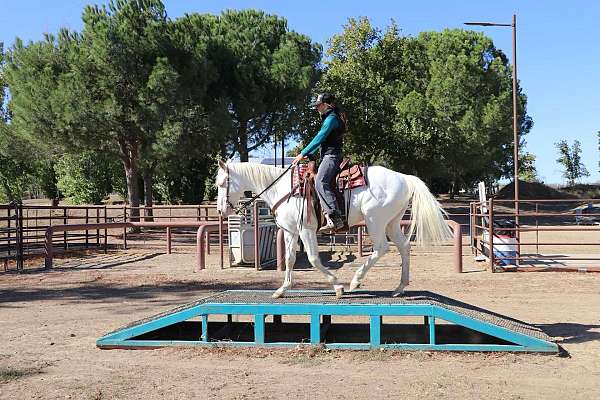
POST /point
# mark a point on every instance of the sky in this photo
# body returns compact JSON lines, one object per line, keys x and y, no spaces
{"x":558,"y":51}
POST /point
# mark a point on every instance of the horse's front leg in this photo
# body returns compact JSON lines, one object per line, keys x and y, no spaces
{"x":290,"y":259}
{"x":309,"y":238}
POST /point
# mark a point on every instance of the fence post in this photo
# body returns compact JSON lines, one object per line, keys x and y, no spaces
{"x":105,"y":234}
{"x":98,"y":230}
{"x":168,"y":240}
{"x":221,"y":238}
{"x":471,"y":228}
{"x":457,"y":232}
{"x":125,"y":229}
{"x":360,"y":241}
{"x":537,"y":232}
{"x":19,"y":213}
{"x":65,"y":232}
{"x":8,"y":218}
{"x":491,"y":234}
{"x":256,"y":241}
{"x":207,"y":240}
{"x":87,"y":213}
{"x":48,"y":248}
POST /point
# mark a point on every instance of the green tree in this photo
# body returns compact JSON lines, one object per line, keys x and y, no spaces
{"x":45,"y":178}
{"x":570,"y":159}
{"x":266,"y":73}
{"x":115,"y":88}
{"x":21,"y":166}
{"x":84,"y":178}
{"x":437,"y":105}
{"x":15,"y":159}
{"x":527,"y":170}
{"x":364,"y":74}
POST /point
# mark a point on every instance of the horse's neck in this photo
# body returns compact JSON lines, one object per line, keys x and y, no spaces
{"x":274,"y":193}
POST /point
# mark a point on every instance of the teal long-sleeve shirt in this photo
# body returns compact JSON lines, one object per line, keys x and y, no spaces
{"x":328,"y":125}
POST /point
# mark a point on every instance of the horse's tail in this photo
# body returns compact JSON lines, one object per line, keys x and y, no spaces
{"x":427,"y":215}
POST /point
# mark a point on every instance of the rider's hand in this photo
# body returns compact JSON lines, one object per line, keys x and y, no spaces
{"x":298,"y":158}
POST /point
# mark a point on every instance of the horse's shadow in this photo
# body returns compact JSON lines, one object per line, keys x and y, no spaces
{"x":572,"y":332}
{"x":331,"y":260}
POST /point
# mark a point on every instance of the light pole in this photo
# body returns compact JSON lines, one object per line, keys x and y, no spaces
{"x":515,"y":122}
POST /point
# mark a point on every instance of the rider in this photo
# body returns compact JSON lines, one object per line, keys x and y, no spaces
{"x":330,"y":139}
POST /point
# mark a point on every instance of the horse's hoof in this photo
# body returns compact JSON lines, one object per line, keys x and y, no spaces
{"x":353,"y":286}
{"x":277,"y":294}
{"x":339,"y":291}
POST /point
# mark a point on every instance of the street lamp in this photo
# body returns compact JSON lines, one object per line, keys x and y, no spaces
{"x":515,"y":122}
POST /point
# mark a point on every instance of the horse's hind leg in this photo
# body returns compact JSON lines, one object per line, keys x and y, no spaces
{"x":290,"y":259}
{"x":309,"y":238}
{"x":380,"y":247}
{"x":395,"y":233}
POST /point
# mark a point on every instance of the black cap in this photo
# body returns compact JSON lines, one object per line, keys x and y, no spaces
{"x":322,"y":98}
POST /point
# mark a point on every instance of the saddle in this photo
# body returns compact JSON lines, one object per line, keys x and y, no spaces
{"x":349,"y":177}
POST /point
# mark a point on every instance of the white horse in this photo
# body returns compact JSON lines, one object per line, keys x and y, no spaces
{"x":381,"y":205}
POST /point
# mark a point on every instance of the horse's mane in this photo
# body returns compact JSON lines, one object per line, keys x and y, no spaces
{"x":260,"y":174}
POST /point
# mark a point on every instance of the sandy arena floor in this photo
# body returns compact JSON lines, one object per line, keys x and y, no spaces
{"x":51,"y":320}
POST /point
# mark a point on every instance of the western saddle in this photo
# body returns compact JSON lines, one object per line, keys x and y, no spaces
{"x":351,"y":176}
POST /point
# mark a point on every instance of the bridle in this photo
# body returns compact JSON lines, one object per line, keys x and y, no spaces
{"x":245,"y":205}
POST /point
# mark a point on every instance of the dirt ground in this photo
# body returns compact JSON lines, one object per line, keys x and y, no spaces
{"x":51,"y":320}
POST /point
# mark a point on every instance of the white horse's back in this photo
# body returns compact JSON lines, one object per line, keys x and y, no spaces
{"x":388,"y":196}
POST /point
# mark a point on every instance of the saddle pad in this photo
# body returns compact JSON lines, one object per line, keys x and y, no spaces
{"x":298,"y":173}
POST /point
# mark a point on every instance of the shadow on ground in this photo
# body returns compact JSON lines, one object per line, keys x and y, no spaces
{"x":110,"y":293}
{"x":572,"y":333}
{"x":90,"y":261}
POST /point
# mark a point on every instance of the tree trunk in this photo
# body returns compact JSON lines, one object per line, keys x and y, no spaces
{"x":129,"y":157}
{"x":7,"y":191}
{"x":133,"y":195}
{"x":452,"y":189}
{"x":243,"y":141}
{"x":148,"y":196}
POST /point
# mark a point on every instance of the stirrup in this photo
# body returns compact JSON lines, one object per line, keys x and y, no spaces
{"x":328,"y":228}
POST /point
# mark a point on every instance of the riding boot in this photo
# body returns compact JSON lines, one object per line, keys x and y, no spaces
{"x":334,"y":222}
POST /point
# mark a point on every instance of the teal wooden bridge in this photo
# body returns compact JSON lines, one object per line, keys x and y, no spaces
{"x":447,"y":324}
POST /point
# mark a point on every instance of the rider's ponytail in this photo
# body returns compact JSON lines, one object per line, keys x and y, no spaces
{"x":341,"y":113}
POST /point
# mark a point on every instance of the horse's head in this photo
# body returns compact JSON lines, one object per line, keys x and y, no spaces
{"x":229,"y":190}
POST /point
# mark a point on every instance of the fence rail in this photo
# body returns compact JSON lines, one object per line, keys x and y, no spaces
{"x":492,"y":229}
{"x":23,"y":227}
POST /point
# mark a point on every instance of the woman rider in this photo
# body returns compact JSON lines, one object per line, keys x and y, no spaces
{"x":329,"y":139}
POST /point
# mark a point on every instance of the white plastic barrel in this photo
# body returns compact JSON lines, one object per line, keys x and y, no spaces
{"x":504,"y":247}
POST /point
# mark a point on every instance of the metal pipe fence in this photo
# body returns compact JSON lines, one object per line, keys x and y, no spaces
{"x":492,"y":225}
{"x":23,"y":227}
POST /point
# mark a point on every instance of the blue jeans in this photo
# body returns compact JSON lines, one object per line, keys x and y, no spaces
{"x":324,"y":183}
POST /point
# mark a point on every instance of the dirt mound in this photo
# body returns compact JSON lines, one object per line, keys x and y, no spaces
{"x":584,"y":190}
{"x":533,"y":190}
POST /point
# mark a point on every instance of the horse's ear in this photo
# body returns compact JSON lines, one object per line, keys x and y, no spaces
{"x":222,"y":164}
